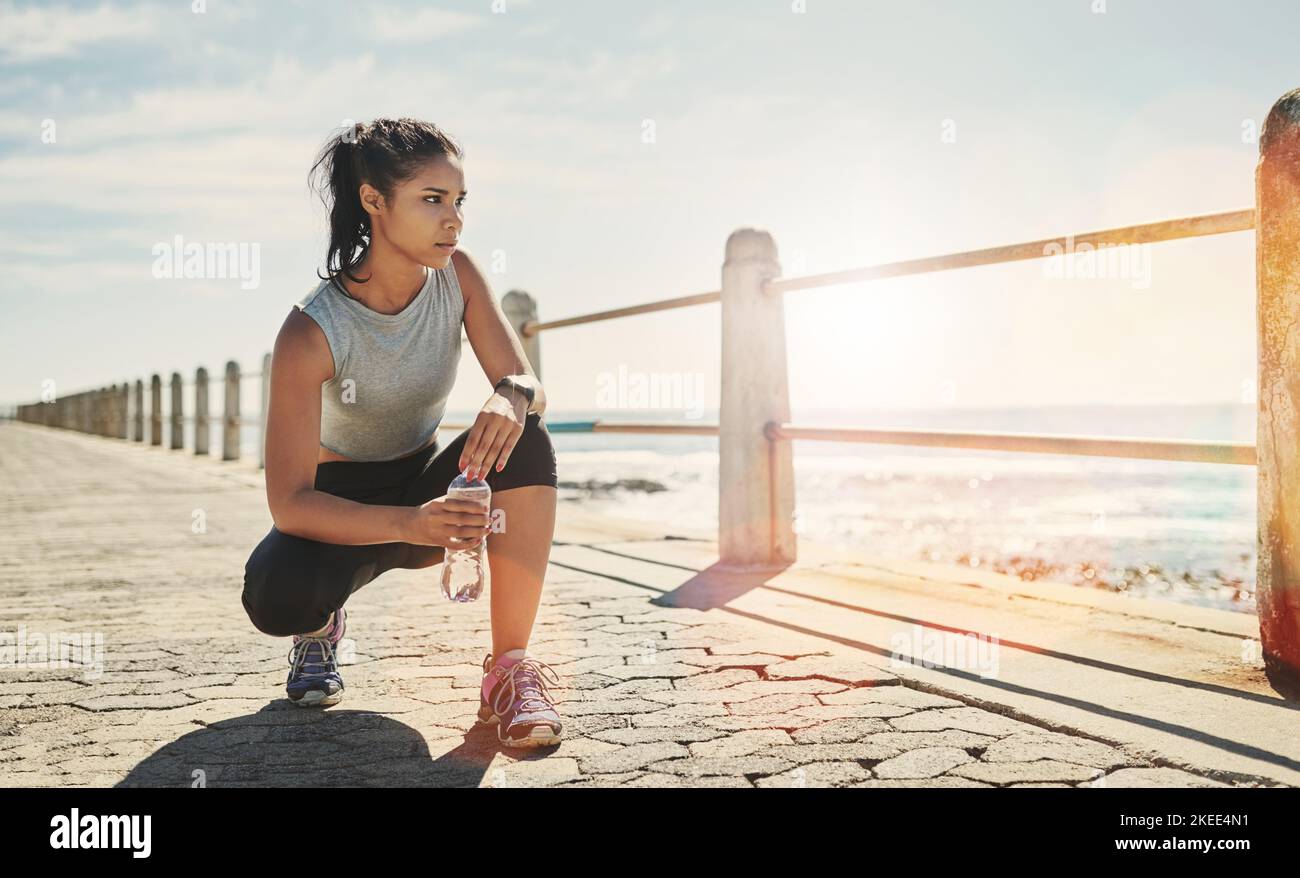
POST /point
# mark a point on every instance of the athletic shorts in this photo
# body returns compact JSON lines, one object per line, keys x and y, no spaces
{"x":292,"y":584}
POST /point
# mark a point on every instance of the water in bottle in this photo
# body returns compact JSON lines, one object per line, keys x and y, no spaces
{"x":465,"y":571}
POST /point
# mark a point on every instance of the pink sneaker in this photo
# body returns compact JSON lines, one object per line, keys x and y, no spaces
{"x":514,"y":697}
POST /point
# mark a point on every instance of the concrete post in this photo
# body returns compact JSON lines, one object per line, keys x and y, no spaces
{"x":755,"y":483}
{"x":1277,"y":270}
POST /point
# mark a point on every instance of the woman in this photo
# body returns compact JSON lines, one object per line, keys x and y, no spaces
{"x":360,"y":375}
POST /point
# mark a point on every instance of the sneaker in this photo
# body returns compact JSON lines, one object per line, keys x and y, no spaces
{"x":314,"y":679}
{"x":514,"y":698}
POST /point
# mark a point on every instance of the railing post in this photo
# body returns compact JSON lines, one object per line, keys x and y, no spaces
{"x":137,"y":420}
{"x":1277,"y":435}
{"x":519,"y":308}
{"x":123,"y":410}
{"x":201,"y":411}
{"x":266,"y":406}
{"x":100,"y":416}
{"x":230,"y":422}
{"x":178,"y":413}
{"x":755,"y":482}
{"x":155,"y":409}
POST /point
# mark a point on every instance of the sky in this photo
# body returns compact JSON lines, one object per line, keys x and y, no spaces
{"x":611,"y":148}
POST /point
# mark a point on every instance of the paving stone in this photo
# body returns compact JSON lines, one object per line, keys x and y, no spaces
{"x":968,"y":719}
{"x":718,"y":679}
{"x":900,"y":695}
{"x":837,"y":668}
{"x":667,"y":669}
{"x":941,"y":782}
{"x":681,"y":734}
{"x":733,"y":766}
{"x":532,"y":773}
{"x":1017,"y":772}
{"x":1156,"y":777}
{"x":853,"y":750}
{"x":838,"y":731}
{"x":816,"y":774}
{"x":1029,"y":746}
{"x":764,"y":704}
{"x":632,"y":757}
{"x":947,"y":738}
{"x":660,"y":780}
{"x":677,"y":715}
{"x":741,"y":743}
{"x":925,"y":762}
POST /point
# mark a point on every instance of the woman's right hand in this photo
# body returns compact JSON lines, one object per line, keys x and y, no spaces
{"x":450,"y":523}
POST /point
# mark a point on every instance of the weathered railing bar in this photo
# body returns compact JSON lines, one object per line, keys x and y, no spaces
{"x":1090,"y":446}
{"x":532,"y":328}
{"x":1147,"y":233}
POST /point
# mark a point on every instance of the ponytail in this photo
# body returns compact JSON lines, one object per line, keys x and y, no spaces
{"x":383,"y":153}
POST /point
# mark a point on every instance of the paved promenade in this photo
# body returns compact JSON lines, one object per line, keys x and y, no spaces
{"x":144,"y":548}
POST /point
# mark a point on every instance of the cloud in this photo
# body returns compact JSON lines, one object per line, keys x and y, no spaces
{"x":38,"y":33}
{"x":403,"y":25}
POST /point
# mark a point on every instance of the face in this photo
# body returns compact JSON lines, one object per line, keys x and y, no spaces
{"x":425,"y":213}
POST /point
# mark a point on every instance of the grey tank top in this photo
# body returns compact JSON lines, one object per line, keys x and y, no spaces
{"x":393,"y":373}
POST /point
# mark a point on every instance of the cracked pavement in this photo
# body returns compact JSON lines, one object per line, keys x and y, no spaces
{"x":145,"y":548}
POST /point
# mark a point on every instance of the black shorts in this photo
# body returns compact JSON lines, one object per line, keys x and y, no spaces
{"x":292,"y":584}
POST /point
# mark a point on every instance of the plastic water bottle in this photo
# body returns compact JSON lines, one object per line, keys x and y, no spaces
{"x":465,"y":571}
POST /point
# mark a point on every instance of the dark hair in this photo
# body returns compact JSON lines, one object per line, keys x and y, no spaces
{"x":382,"y":153}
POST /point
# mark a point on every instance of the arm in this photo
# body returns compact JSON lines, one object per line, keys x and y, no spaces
{"x":493,"y":339}
{"x":300,"y":363}
{"x":500,"y":423}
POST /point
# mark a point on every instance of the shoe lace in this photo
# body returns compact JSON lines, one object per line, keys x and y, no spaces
{"x":298,"y":658}
{"x":531,"y":684}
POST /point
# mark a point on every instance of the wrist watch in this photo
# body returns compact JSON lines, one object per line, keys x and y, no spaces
{"x":515,"y":385}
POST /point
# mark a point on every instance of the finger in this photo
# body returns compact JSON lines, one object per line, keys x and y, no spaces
{"x":472,"y":441}
{"x":484,"y":444}
{"x":470,"y":519}
{"x":509,"y":448}
{"x":461,"y":507}
{"x":494,"y":450}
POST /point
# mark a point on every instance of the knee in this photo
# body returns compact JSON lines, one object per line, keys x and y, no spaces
{"x":273,"y":604}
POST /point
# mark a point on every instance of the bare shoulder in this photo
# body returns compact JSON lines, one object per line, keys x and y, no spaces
{"x":302,"y":348}
{"x":472,"y":279}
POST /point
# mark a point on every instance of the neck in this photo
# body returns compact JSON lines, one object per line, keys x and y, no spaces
{"x":393,"y":280}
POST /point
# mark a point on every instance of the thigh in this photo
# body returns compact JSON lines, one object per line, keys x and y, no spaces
{"x":286,"y":569}
{"x":532,"y":462}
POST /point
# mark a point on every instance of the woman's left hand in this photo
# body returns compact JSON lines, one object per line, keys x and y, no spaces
{"x":496,"y":430}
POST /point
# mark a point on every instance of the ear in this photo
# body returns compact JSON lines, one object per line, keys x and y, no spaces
{"x":372,"y":200}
